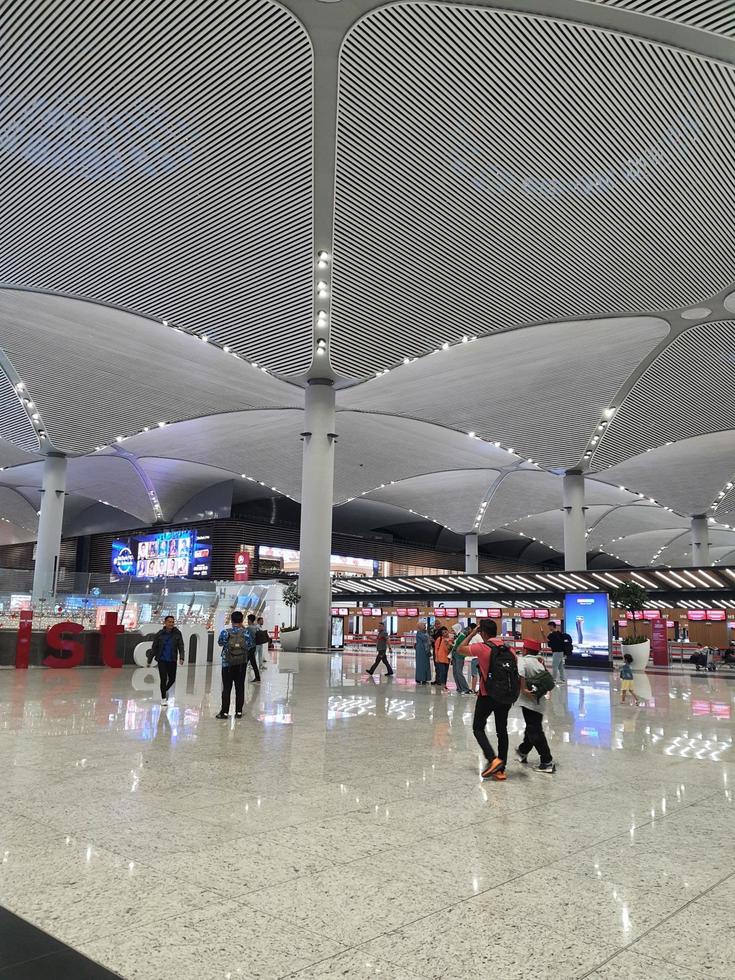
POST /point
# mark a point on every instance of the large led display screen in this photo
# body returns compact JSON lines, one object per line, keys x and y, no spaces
{"x":166,"y":554}
{"x":587,"y":620}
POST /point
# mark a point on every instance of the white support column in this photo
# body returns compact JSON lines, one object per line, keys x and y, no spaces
{"x":575,"y":542}
{"x":700,"y":541}
{"x":471,"y":561}
{"x":317,"y":491}
{"x":49,"y":527}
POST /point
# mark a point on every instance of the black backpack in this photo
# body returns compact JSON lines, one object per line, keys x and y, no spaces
{"x":568,"y":644}
{"x":502,"y":682}
{"x":237,"y":648}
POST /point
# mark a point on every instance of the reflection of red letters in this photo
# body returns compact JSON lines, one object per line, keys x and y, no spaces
{"x":55,"y":641}
{"x":108,"y":643}
{"x":23,"y":642}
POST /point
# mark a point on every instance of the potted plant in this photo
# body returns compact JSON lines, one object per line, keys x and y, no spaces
{"x":291,"y":634}
{"x":632,"y":597}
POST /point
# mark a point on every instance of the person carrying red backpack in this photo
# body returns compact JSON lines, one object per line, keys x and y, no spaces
{"x":499,"y":689}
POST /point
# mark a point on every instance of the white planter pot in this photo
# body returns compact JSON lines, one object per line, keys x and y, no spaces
{"x":640,"y":652}
{"x":290,"y":640}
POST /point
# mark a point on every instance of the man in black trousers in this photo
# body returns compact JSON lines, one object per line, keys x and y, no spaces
{"x":238,"y":645}
{"x":382,"y":648}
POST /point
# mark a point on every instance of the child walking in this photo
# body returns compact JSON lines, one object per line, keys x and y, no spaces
{"x":626,"y":681}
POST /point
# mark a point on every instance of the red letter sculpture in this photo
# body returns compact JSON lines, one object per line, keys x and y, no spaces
{"x":55,"y":641}
{"x":23,"y":643}
{"x":108,"y":644}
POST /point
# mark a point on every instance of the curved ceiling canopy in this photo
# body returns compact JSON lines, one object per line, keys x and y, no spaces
{"x":707,"y":15}
{"x":158,"y":157}
{"x":496,"y":168}
{"x":116,"y":372}
{"x":533,"y":230}
{"x":541,"y":390}
{"x":451,"y":498}
{"x":685,"y":475}
{"x":688,"y":390}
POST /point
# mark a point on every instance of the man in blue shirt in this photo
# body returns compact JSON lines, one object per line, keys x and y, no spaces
{"x":168,"y":645}
{"x":238,"y":648}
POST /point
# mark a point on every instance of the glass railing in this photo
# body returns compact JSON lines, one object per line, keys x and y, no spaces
{"x":86,"y":599}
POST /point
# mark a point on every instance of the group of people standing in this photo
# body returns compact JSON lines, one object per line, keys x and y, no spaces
{"x":242,"y":647}
{"x":502,"y":677}
{"x":441,"y":649}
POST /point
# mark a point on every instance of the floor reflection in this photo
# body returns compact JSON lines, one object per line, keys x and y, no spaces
{"x":326,"y":811}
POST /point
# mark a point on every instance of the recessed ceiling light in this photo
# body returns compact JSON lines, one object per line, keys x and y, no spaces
{"x":697,"y":313}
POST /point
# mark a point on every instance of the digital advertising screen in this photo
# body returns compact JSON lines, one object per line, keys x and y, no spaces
{"x":166,"y":554}
{"x":287,"y":560}
{"x":587,"y":620}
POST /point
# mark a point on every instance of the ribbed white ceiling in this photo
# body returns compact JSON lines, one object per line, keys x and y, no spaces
{"x":16,"y":509}
{"x":686,"y":475}
{"x":452,"y":498}
{"x":708,"y":15}
{"x":95,"y":372}
{"x":631,"y":519}
{"x":641,"y":548}
{"x":15,"y":424}
{"x":688,"y":390}
{"x":540,"y":390}
{"x":177,"y":481}
{"x":157,"y":156}
{"x":496,"y":169}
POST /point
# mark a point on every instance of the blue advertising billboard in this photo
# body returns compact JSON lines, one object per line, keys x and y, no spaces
{"x":587,"y":620}
{"x":166,"y":554}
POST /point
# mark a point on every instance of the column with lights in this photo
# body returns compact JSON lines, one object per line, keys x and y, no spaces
{"x":700,"y":541}
{"x":49,"y":527}
{"x":319,"y":437}
{"x":317,"y":488}
{"x":471,"y":561}
{"x":575,"y":540}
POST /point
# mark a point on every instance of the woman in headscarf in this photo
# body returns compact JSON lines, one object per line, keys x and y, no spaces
{"x":423,"y":655}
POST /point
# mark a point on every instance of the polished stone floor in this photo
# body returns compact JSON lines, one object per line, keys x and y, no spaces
{"x":340,"y":829}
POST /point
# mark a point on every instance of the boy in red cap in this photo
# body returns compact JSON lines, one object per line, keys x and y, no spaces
{"x":529,"y":666}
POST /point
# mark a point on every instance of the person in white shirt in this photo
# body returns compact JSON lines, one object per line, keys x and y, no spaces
{"x":533,"y":710}
{"x":262,"y":640}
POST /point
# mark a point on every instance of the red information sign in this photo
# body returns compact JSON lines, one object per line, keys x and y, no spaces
{"x":400,"y":612}
{"x":444,"y":613}
{"x":526,"y":613}
{"x":659,"y":643}
{"x":696,"y":615}
{"x":652,"y":614}
{"x":670,"y":624}
{"x":412,"y":611}
{"x":622,"y":622}
{"x":716,"y":615}
{"x":541,"y":614}
{"x":242,"y":566}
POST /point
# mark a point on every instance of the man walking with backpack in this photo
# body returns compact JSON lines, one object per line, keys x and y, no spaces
{"x":499,"y":689}
{"x":559,"y":644}
{"x":238,"y":646}
{"x":533,"y":705}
